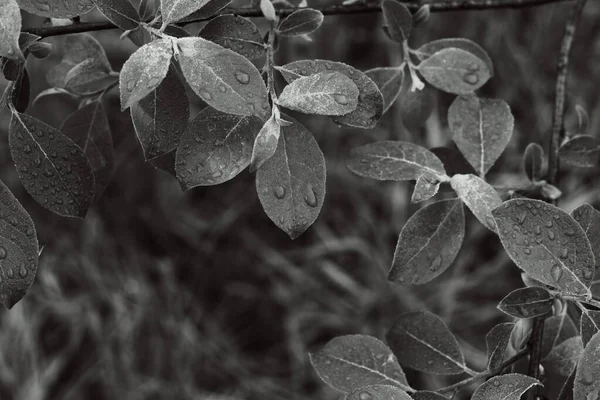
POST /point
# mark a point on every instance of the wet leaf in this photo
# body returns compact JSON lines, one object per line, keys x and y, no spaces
{"x":587,"y":377}
{"x":398,"y":20}
{"x":10,"y":27}
{"x":533,"y":161}
{"x":291,"y":184}
{"x":589,"y":219}
{"x":580,"y":151}
{"x":41,"y":49}
{"x":175,"y":10}
{"x":236,"y":33}
{"x":265,"y":144}
{"x":426,"y":187}
{"x":428,"y":49}
{"x":52,"y":168}
{"x":589,"y":325}
{"x":481,"y":129}
{"x":422,"y":341}
{"x":563,"y":358}
{"x":505,"y":387}
{"x":83,"y":75}
{"x":547,"y":243}
{"x":378,"y":392}
{"x":324,"y":93}
{"x":394,"y":160}
{"x":427,"y":395}
{"x":557,"y":329}
{"x":147,"y":9}
{"x":389,"y":81}
{"x":120,"y":12}
{"x":18,"y":249}
{"x":300,"y":22}
{"x":527,"y":302}
{"x":55,"y":8}
{"x":348,"y":363}
{"x":479,"y":196}
{"x":209,"y":9}
{"x":497,"y":340}
{"x":416,"y":107}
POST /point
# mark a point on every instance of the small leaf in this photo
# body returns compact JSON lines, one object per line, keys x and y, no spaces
{"x":416,"y":107}
{"x":175,"y":10}
{"x":394,"y":160}
{"x":350,"y":362}
{"x":52,"y":168}
{"x":581,"y":151}
{"x":57,"y":9}
{"x":426,"y":187}
{"x":389,"y":82}
{"x":533,"y":161}
{"x":589,"y":325}
{"x":422,"y":341}
{"x":549,"y":191}
{"x":378,"y":392}
{"x":268,"y":10}
{"x":19,"y":249}
{"x":300,"y":22}
{"x":455,"y":71}
{"x":120,"y":12}
{"x":398,"y":20}
{"x":505,"y":387}
{"x":497,"y":340}
{"x":422,"y":15}
{"x":236,"y":33}
{"x":10,"y":27}
{"x":481,"y":129}
{"x":41,"y":49}
{"x":563,"y":358}
{"x":479,"y":196}
{"x":583,"y":119}
{"x":587,"y":377}
{"x":83,"y":75}
{"x":427,"y":395}
{"x":527,"y":302}
{"x":589,"y":219}
{"x":222,"y":78}
{"x":428,"y":243}
{"x":557,"y":329}
{"x":265,"y":143}
{"x":428,"y":49}
{"x":547,"y":243}
{"x":325,"y":93}
{"x":291,"y":184}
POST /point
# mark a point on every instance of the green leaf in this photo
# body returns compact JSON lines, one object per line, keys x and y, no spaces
{"x":18,"y":249}
{"x":527,"y":302}
{"x":580,"y":151}
{"x":351,"y":362}
{"x":533,"y":161}
{"x":41,"y":49}
{"x":10,"y":27}
{"x":505,"y":387}
{"x":398,"y":20}
{"x":481,"y":129}
{"x":416,"y":107}
{"x":161,"y":118}
{"x":215,"y":148}
{"x":428,"y":243}
{"x":587,"y":377}
{"x":547,"y":243}
{"x":422,"y":341}
{"x":563,"y":358}
{"x":52,"y":168}
{"x":236,"y":33}
{"x":426,"y":187}
{"x":21,"y":91}
{"x":394,"y":160}
{"x":557,"y":329}
{"x":55,"y":8}
{"x":479,"y":196}
{"x":427,"y":395}
{"x":224,"y":79}
{"x":589,"y":325}
{"x":370,"y":101}
{"x":300,"y":22}
{"x":265,"y":143}
{"x":389,"y":82}
{"x":497,"y":340}
{"x":88,"y":128}
{"x":428,"y":49}
{"x":143,"y":71}
{"x":147,"y":9}
{"x":589,"y":219}
{"x":83,"y":76}
{"x":291,"y":184}
{"x":268,"y":10}
{"x":120,"y":12}
{"x":324,"y":93}
{"x":175,"y":10}
{"x":378,"y":392}
{"x":455,"y":71}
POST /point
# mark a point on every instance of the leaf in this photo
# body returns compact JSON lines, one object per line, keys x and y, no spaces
{"x":236,"y":33}
{"x":481,"y":129}
{"x":41,"y":49}
{"x":394,"y":160}
{"x":175,"y":10}
{"x":580,"y":151}
{"x":143,"y":71}
{"x":268,"y":10}
{"x":426,"y":187}
{"x":557,"y":329}
{"x":10,"y":27}
{"x":120,"y":12}
{"x":351,"y":362}
{"x":589,"y":325}
{"x":497,"y":340}
{"x":161,"y":118}
{"x":300,"y":22}
{"x":389,"y":82}
{"x":215,"y":148}
{"x":291,"y":184}
{"x":224,"y":79}
{"x":428,"y":49}
{"x":398,"y":20}
{"x":566,"y":393}
{"x":527,"y":302}
{"x":21,"y":92}
{"x":88,"y":128}
{"x":19,"y":249}
{"x":55,"y":8}
{"x":505,"y":387}
{"x":428,"y":243}
{"x":533,"y":161}
{"x":52,"y":168}
{"x":564,"y":357}
{"x":165,"y":163}
{"x":147,"y":9}
{"x":324,"y":93}
{"x":455,"y":71}
{"x":589,"y":220}
{"x":265,"y":144}
{"x":83,"y":75}
{"x":479,"y":196}
{"x":416,"y":107}
{"x":209,"y":9}
{"x":587,"y":377}
{"x":583,"y":119}
{"x":378,"y":392}
{"x":422,"y":341}
{"x":428,"y":395}
{"x":370,"y":101}
{"x":547,"y":243}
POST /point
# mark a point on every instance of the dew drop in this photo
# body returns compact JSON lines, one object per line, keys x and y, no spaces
{"x":341,"y":99}
{"x":527,"y":251}
{"x":279,"y":191}
{"x":564,"y":252}
{"x":205,"y":94}
{"x":131,"y":84}
{"x":496,"y":383}
{"x":551,"y":235}
{"x":242,"y":77}
{"x":556,"y":272}
{"x":222,"y":89}
{"x":10,"y":273}
{"x":365,"y":396}
{"x":23,"y":271}
{"x":417,"y":197}
{"x":588,"y":273}
{"x":3,"y":253}
{"x":436,"y":263}
{"x":309,"y":196}
{"x":473,"y":67}
{"x":471,"y":78}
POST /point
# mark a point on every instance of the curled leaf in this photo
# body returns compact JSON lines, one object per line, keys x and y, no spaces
{"x":533,"y":161}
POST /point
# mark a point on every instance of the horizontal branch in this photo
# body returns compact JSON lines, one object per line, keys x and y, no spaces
{"x":336,"y":9}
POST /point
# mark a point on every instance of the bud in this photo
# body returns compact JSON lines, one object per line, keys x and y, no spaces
{"x":422,"y":15}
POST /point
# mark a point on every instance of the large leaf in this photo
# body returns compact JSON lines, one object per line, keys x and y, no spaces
{"x":581,"y":151}
{"x":481,"y":129}
{"x":300,"y":22}
{"x":215,"y":148}
{"x":175,"y":10}
{"x":161,"y":118}
{"x":10,"y":27}
{"x":236,"y":33}
{"x":394,"y":160}
{"x":422,"y":341}
{"x":589,"y":325}
{"x":351,"y":362}
{"x":428,"y":243}
{"x":533,"y":161}
{"x":370,"y":101}
{"x":547,"y":243}
{"x":479,"y":196}
{"x":224,"y":79}
{"x":389,"y":81}
{"x":18,"y":249}
{"x":497,"y":340}
{"x":52,"y":168}
{"x":428,"y":49}
{"x":527,"y":302}
{"x":563,"y":358}
{"x":505,"y":387}
{"x":378,"y":392}
{"x":56,"y":8}
{"x":587,"y":377}
{"x":589,"y":219}
{"x":291,"y":184}
{"x":120,"y":12}
{"x":398,"y":20}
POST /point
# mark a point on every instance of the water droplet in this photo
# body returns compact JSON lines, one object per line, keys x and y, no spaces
{"x":222,"y":89}
{"x":10,"y":273}
{"x":242,"y":77}
{"x":521,"y":217}
{"x":309,"y":196}
{"x":537,"y":229}
{"x":3,"y":253}
{"x":496,"y":383}
{"x":365,"y":396}
{"x":473,"y":67}
{"x":527,"y":251}
{"x":131,"y":84}
{"x":341,"y":99}
{"x":551,"y":235}
{"x":429,"y":362}
{"x":23,"y":271}
{"x":471,"y":78}
{"x":490,"y":222}
{"x":436,"y":263}
{"x":564,"y":252}
{"x":556,"y":272}
{"x":417,"y":197}
{"x":279,"y":192}
{"x":588,"y":273}
{"x":204,"y":94}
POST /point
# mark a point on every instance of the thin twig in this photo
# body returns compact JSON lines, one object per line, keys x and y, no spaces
{"x":336,"y":9}
{"x":535,"y":351}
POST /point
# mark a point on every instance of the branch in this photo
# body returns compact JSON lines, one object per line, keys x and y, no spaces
{"x":336,"y":9}
{"x":535,"y":350}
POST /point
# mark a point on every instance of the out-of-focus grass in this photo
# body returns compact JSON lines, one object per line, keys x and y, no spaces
{"x":160,"y":294}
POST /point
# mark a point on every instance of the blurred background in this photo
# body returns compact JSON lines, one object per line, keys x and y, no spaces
{"x":160,"y":294}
